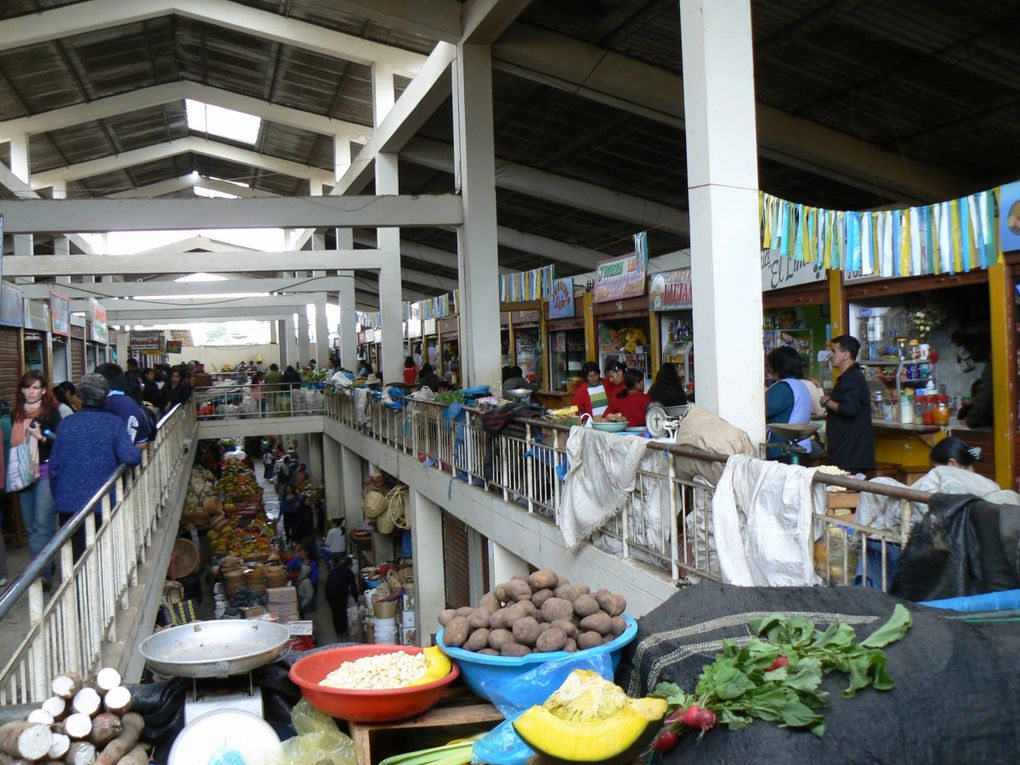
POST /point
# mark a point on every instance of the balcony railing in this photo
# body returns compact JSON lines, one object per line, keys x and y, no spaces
{"x":667,"y":522}
{"x":69,"y":628}
{"x":236,"y":401}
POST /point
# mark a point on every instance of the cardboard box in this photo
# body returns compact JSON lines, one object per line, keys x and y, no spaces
{"x":300,"y":627}
{"x":282,"y":594}
{"x":251,"y":612}
{"x":284,"y":609}
{"x":407,"y":620}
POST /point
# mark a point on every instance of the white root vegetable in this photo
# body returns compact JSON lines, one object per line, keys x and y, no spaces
{"x":81,"y":753}
{"x":66,"y":685}
{"x":78,"y":726}
{"x":87,"y":701}
{"x":137,"y":756}
{"x":117,"y":749}
{"x":56,"y":706}
{"x":6,"y":759}
{"x":61,"y":743}
{"x":24,"y":739}
{"x":117,"y":700}
{"x":105,"y":728}
{"x":40,"y":716}
{"x":107,"y":678}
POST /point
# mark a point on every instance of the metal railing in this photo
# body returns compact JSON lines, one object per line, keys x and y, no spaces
{"x":67,"y":629}
{"x":237,"y":401}
{"x":667,"y":521}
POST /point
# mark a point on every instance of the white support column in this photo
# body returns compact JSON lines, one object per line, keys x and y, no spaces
{"x":61,"y":243}
{"x":24,"y":244}
{"x":722,"y":174}
{"x":321,"y":354}
{"x":477,"y":251}
{"x":429,"y":571}
{"x":476,"y":552}
{"x":383,"y":92}
{"x":390,"y":288}
{"x":304,"y":343}
{"x":504,"y":564}
{"x":288,"y":346}
{"x":332,"y":478}
{"x":352,"y":477}
{"x":122,"y":347}
{"x":348,"y":318}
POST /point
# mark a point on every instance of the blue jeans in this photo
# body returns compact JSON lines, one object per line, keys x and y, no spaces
{"x":39,"y":515}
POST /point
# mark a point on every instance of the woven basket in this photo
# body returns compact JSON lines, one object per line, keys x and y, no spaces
{"x":396,"y":507}
{"x":384,"y":609}
{"x":373,"y":503}
{"x":185,"y":558}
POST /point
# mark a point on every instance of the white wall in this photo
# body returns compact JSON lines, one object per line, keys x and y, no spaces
{"x":215,"y":356}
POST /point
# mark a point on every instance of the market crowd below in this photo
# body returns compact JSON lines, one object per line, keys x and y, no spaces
{"x":62,"y":443}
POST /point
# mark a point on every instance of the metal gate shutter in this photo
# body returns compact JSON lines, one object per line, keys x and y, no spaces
{"x":10,"y":362}
{"x":77,"y":349}
{"x":455,"y":555}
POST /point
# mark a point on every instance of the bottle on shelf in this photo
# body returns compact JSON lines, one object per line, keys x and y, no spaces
{"x":907,"y":406}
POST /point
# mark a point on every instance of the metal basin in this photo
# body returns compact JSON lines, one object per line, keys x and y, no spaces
{"x":214,"y":648}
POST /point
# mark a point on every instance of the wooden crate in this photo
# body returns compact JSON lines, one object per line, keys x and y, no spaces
{"x":457,"y":708}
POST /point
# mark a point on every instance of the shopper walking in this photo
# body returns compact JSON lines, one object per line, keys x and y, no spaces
{"x":849,"y":430}
{"x":36,"y":419}
{"x":89,"y":448}
{"x":7,"y":427}
{"x":288,"y":511}
{"x":341,"y":586}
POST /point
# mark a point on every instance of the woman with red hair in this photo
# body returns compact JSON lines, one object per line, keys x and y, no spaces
{"x":36,"y":416}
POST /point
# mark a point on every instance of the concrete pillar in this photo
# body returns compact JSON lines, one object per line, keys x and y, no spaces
{"x":332,"y":477}
{"x":304,"y":351}
{"x":348,"y":318}
{"x":352,"y":478}
{"x":315,"y":457}
{"x":722,"y":175}
{"x":61,"y":243}
{"x":321,"y":354}
{"x":476,"y":552}
{"x":477,"y":251}
{"x":122,"y":347}
{"x":289,"y":344}
{"x":314,"y":188}
{"x":274,"y":333}
{"x":383,"y":93}
{"x":504,"y":565}
{"x":429,"y":572}
{"x":390,"y":290}
{"x":24,"y":244}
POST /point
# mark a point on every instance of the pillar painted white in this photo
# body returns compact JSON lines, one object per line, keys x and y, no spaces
{"x":61,"y":243}
{"x":503,"y":565}
{"x":341,"y":158}
{"x":383,"y":92}
{"x":332,"y":477}
{"x":347,"y":330}
{"x":304,"y":343}
{"x":314,"y":460}
{"x":722,"y":175}
{"x":351,"y":479}
{"x":24,"y":244}
{"x":429,"y":571}
{"x":289,"y":345}
{"x":477,"y":251}
{"x":321,"y":352}
{"x":390,"y":289}
{"x":122,"y":347}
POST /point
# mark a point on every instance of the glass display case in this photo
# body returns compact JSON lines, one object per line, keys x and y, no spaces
{"x":801,"y":340}
{"x":566,"y":357}
{"x":529,"y":352}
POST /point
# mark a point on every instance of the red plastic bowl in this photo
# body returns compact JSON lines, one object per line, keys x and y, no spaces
{"x":364,"y":706}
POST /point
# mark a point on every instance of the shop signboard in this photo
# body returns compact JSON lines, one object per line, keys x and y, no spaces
{"x":414,"y":328}
{"x":174,"y":346}
{"x":620,"y":278}
{"x":37,"y":315}
{"x":779,"y":271}
{"x":12,"y":306}
{"x":377,"y":335}
{"x":428,"y":327}
{"x":60,"y":314}
{"x":561,"y":299}
{"x":671,"y":291}
{"x":148,"y":340}
{"x":1009,"y":216}
{"x":99,"y":333}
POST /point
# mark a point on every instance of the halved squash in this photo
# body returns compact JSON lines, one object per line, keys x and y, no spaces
{"x":437,"y":665}
{"x":589,"y":719}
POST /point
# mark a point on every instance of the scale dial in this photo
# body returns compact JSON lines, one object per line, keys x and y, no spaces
{"x":655,"y":420}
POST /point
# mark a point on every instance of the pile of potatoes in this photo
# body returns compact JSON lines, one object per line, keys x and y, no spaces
{"x":535,"y":614}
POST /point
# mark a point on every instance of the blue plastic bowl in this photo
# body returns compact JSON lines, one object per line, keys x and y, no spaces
{"x":479,"y":668}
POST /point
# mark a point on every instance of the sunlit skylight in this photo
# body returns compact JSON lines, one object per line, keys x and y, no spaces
{"x":201,"y":276}
{"x":202,"y":191}
{"x":226,"y":123}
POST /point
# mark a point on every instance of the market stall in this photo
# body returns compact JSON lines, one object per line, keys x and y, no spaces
{"x":565,"y":327}
{"x":672,"y":321}
{"x":448,"y":331}
{"x":12,"y":319}
{"x":36,"y":338}
{"x":620,"y":309}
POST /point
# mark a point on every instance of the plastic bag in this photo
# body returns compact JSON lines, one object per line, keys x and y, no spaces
{"x":502,"y":745}
{"x":319,"y":741}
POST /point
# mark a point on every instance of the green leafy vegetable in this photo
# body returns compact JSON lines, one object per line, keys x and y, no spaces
{"x":778,"y":678}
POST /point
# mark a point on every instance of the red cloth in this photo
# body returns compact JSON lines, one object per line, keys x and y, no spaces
{"x":612,"y":390}
{"x":632,"y":406}
{"x":410,"y":375}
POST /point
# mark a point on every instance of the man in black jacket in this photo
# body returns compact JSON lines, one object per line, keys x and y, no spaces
{"x":849,"y":432}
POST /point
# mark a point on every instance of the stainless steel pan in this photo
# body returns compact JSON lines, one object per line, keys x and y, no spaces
{"x":214,"y":648}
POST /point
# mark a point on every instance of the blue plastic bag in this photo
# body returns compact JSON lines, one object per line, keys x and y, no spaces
{"x":502,"y":745}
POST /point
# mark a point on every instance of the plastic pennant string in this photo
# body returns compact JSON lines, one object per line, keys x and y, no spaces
{"x":782,"y":230}
{"x":892,"y":239}
{"x":830,"y":222}
{"x":903,"y":240}
{"x":798,"y":241}
{"x":820,"y":218}
{"x":966,"y":238}
{"x":866,"y":262}
{"x":955,"y":240}
{"x":915,"y":240}
{"x":977,"y":241}
{"x":945,"y":240}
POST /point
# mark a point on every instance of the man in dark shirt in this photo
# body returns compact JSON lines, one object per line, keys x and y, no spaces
{"x":849,"y":431}
{"x":124,"y":406}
